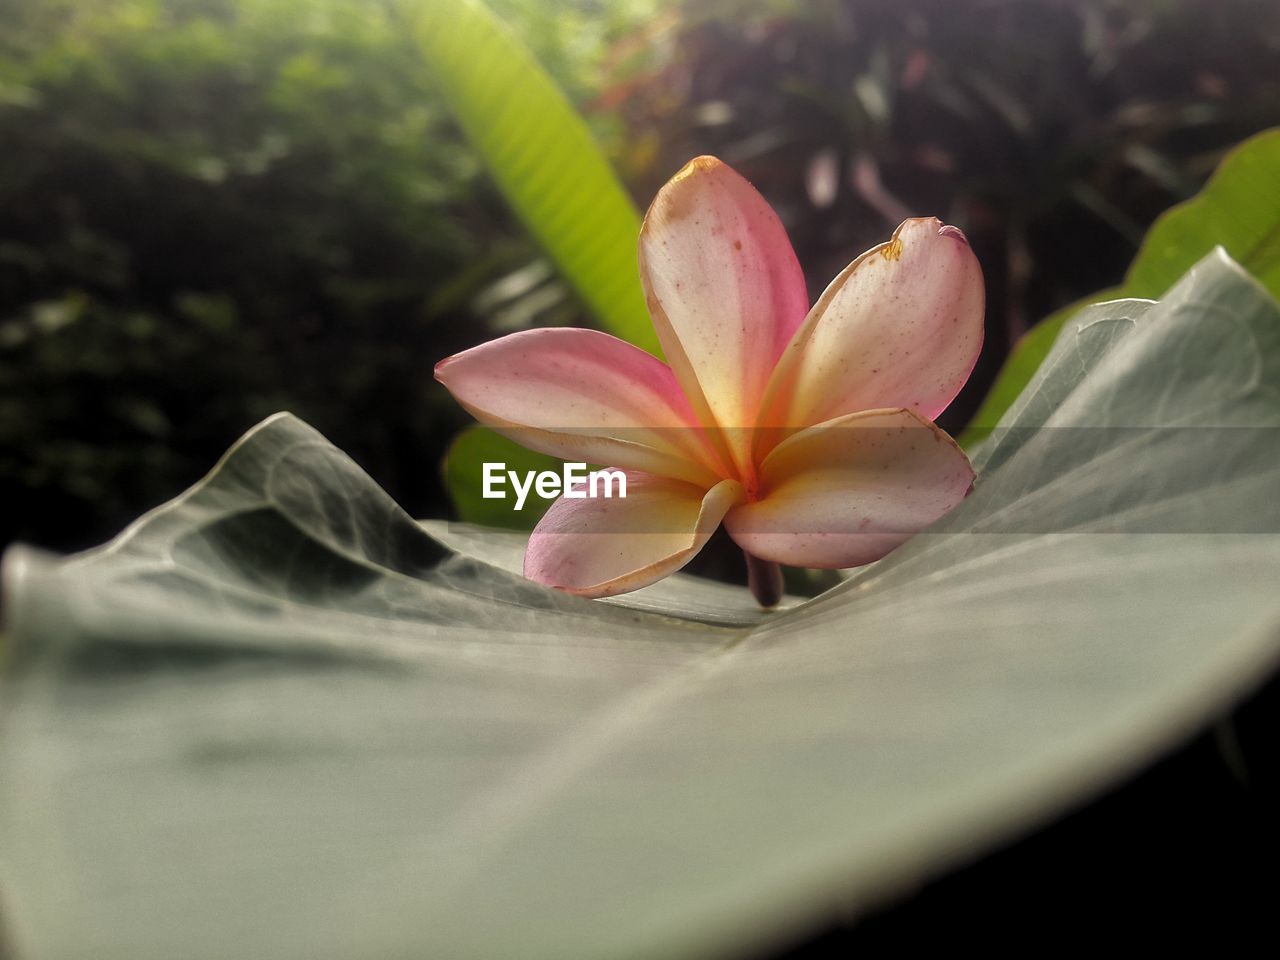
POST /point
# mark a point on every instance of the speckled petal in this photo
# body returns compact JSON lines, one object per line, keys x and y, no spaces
{"x":725,"y":291}
{"x":901,"y":326}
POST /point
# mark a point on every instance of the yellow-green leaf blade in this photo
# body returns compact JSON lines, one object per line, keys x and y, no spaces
{"x":542,"y":156}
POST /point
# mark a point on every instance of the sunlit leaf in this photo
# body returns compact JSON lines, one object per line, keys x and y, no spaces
{"x":1239,"y":209}
{"x":278,"y":718}
{"x":541,"y":155}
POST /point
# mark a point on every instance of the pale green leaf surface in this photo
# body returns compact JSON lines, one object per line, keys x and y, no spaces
{"x":1238,"y":209}
{"x":277,"y":718}
{"x":542,"y":156}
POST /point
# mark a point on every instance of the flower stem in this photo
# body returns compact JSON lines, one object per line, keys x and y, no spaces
{"x":764,"y":580}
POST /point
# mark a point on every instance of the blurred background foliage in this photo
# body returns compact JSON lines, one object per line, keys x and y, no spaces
{"x":211,"y":210}
{"x":1052,"y":131}
{"x":214,"y":209}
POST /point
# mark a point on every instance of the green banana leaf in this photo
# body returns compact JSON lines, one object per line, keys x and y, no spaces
{"x":541,"y":155}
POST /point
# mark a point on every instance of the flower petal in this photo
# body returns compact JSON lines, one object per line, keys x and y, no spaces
{"x":724,"y":288}
{"x":901,"y":326}
{"x":584,"y":396}
{"x":848,"y":491}
{"x":600,"y":547}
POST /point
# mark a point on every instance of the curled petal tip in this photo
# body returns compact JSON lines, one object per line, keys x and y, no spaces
{"x":947,"y":230}
{"x":702,"y":164}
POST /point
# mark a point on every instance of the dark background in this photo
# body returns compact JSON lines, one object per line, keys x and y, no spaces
{"x":211,"y":210}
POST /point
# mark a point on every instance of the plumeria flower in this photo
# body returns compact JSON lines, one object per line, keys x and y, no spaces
{"x":807,"y":432}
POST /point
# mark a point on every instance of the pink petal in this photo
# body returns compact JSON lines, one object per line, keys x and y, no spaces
{"x":584,"y":396}
{"x":600,"y":547}
{"x":848,"y":491}
{"x":724,"y":288}
{"x":901,"y":326}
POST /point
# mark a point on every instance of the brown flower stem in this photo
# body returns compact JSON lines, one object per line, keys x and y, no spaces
{"x":764,"y":580}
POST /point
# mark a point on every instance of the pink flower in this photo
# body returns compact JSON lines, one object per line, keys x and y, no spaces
{"x":808,"y":432}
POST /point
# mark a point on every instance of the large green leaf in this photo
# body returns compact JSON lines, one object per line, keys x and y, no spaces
{"x":542,"y":156}
{"x":277,"y":718}
{"x":1239,"y":209}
